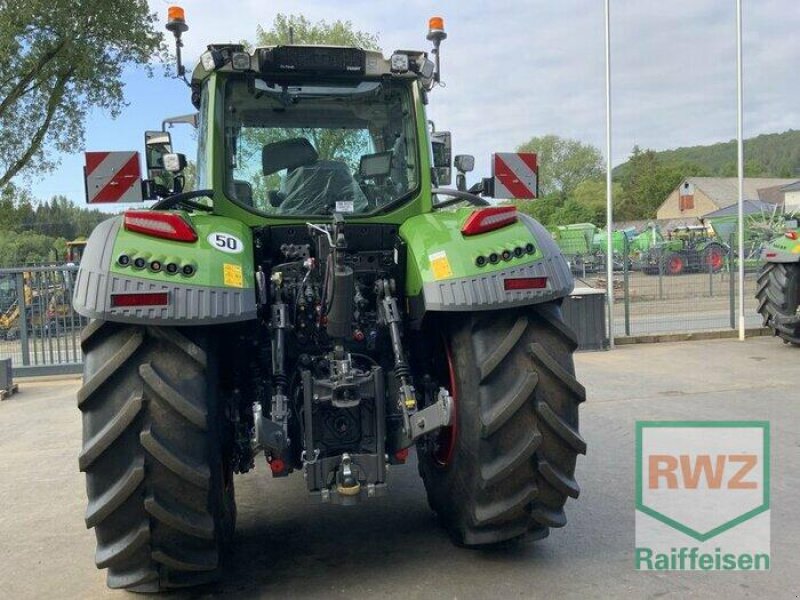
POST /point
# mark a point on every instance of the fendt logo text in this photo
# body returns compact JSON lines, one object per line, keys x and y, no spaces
{"x":702,"y":495}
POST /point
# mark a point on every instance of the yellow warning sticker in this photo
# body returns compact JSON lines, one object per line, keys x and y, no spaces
{"x":232,"y":275}
{"x":440,"y":265}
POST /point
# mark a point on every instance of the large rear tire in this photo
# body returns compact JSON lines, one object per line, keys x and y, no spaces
{"x":515,"y":441}
{"x":160,"y":495}
{"x":778,"y":294}
{"x":713,"y":258}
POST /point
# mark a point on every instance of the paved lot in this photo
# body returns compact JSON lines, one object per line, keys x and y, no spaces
{"x":392,"y":547}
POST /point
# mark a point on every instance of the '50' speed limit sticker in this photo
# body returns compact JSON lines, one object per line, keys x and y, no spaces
{"x":225,"y":242}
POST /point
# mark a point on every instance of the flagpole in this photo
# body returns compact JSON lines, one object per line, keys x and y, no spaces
{"x":609,"y":203}
{"x":740,"y":165}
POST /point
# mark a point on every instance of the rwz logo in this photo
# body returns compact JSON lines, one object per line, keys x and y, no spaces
{"x":706,"y":482}
{"x":665,"y":468}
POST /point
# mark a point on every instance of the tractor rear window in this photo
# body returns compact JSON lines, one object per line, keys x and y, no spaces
{"x":319,"y":149}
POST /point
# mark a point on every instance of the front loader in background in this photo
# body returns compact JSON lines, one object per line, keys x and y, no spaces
{"x":321,"y":301}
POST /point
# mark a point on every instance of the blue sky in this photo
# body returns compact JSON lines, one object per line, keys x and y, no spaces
{"x":518,"y":69}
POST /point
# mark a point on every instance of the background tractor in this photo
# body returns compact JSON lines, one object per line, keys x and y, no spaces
{"x":321,"y":300}
{"x":688,"y":249}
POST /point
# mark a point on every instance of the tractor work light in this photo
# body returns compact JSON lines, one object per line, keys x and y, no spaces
{"x":240,"y":61}
{"x":211,"y":60}
{"x":513,"y":284}
{"x":489,"y":219}
{"x":168,"y":226}
{"x":174,"y":163}
{"x":399,"y":62}
{"x":138,"y":299}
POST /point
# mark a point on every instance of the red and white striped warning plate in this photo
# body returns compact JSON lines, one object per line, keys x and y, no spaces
{"x":515,"y":174}
{"x":112,"y":177}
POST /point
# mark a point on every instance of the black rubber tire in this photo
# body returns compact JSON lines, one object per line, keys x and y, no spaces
{"x":778,"y":294}
{"x":667,"y":259}
{"x":160,"y":500}
{"x":516,"y":409}
{"x":708,"y":252}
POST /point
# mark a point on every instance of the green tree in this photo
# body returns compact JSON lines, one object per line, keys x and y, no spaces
{"x":542,"y":209}
{"x":586,"y":204}
{"x":298,"y":29}
{"x":61,"y":59}
{"x":648,"y":180}
{"x":189,"y":176}
{"x":564,"y":162}
{"x":17,"y":249}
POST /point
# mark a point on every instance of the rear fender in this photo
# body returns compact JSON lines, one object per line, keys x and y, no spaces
{"x":443,"y":272}
{"x":214,"y":282}
{"x":782,"y":250}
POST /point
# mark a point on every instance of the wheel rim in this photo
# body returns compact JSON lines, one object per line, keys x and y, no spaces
{"x":675,"y":265}
{"x":445,"y":443}
{"x":715,"y":259}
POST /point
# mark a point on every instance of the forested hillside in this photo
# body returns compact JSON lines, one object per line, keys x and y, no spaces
{"x":768,"y":155}
{"x":36,"y":232}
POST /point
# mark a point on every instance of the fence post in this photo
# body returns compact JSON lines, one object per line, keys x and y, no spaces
{"x":626,"y":283}
{"x":23,"y":319}
{"x":731,"y":283}
{"x":661,"y":276}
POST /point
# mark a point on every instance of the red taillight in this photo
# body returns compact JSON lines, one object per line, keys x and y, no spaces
{"x":160,"y":224}
{"x":139,"y":299}
{"x":489,"y":219}
{"x":401,"y":455}
{"x":792,"y":235}
{"x":524,"y":283}
{"x":772,"y":254}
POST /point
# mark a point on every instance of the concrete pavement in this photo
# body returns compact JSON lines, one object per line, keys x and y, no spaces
{"x":392,"y":547}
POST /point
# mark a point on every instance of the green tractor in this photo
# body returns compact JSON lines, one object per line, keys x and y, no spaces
{"x":778,"y":289}
{"x":687,"y":249}
{"x":320,"y":301}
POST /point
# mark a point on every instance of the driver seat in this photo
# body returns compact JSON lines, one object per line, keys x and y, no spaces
{"x":316,"y":188}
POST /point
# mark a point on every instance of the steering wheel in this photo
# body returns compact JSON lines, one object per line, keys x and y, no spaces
{"x":185,"y":199}
{"x":458,"y":196}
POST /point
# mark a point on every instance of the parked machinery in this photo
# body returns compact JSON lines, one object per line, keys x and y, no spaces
{"x":317,"y":301}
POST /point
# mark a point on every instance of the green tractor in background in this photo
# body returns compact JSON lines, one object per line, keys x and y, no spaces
{"x":584,"y":245}
{"x":778,"y":290}
{"x":575,"y":242}
{"x":318,"y":301}
{"x":688,"y":249}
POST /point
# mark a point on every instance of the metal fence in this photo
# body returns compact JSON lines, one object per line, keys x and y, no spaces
{"x":667,"y":291}
{"x":39,"y":330}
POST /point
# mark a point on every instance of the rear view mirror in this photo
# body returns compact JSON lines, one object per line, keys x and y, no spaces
{"x":464,"y":163}
{"x":157,"y":144}
{"x":441,"y":143}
